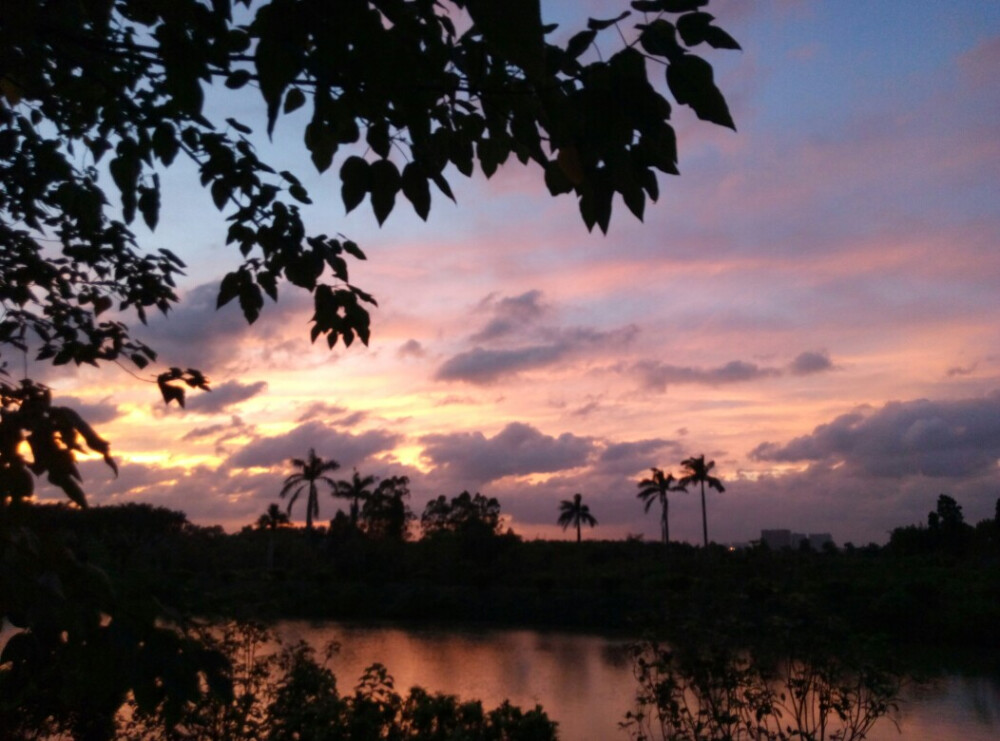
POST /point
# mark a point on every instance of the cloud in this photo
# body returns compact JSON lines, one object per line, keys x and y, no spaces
{"x":347,"y":449}
{"x":630,"y":457}
{"x":807,"y":363}
{"x":332,"y":414}
{"x":222,"y":397}
{"x":657,"y":375}
{"x":197,"y":335}
{"x":518,"y":449}
{"x":510,"y":314}
{"x":228,"y":430}
{"x":928,"y":438}
{"x":93,"y":413}
{"x":411,"y":349}
{"x":482,"y":366}
{"x":959,"y":370}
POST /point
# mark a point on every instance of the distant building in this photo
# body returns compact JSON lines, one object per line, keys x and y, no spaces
{"x":778,"y":539}
{"x":817,"y":541}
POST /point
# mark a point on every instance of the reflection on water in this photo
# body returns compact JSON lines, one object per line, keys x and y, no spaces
{"x":585,"y":682}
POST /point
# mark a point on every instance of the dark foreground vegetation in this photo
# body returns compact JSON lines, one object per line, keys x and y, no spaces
{"x":938,"y":584}
{"x":828,"y":626}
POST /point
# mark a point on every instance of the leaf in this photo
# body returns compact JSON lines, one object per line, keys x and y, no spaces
{"x":228,"y":289}
{"x":580,"y":43}
{"x":568,"y":160}
{"x":385,"y":184}
{"x":659,"y":38}
{"x":352,"y":249}
{"x":294,"y":100}
{"x":238,"y":78}
{"x":598,"y":25}
{"x":695,"y":28}
{"x":165,"y":143}
{"x":690,"y":79}
{"x":356,"y":181}
{"x":299,"y":193}
{"x":512,"y":30}
{"x":280,"y":51}
{"x":416,"y":190}
{"x":149,"y":206}
{"x":378,"y":138}
{"x":556,"y":180}
{"x":220,"y":193}
{"x":682,"y":6}
{"x":242,"y":128}
{"x":170,"y":392}
{"x":251,"y":300}
{"x":442,"y":185}
{"x":321,"y":141}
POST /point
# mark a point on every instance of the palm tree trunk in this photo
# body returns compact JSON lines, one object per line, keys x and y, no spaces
{"x":666,"y":523}
{"x":578,"y":536}
{"x":704,"y":516}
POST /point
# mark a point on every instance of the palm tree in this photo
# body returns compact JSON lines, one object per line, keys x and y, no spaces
{"x":575,"y":512}
{"x":655,"y":489}
{"x":358,"y":490}
{"x":271,"y":521}
{"x":312,"y":472}
{"x":696,"y":471}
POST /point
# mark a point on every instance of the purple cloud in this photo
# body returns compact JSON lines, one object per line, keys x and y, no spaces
{"x":220,"y":398}
{"x":348,"y":450}
{"x":518,"y":449}
{"x":658,"y":376}
{"x":807,"y":363}
{"x":510,"y":314}
{"x":94,"y":413}
{"x":929,"y":438}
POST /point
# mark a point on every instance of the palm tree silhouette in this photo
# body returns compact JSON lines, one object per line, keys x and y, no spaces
{"x":655,"y":489}
{"x":271,"y":521}
{"x":575,"y":512}
{"x":696,"y":471}
{"x":358,"y":490}
{"x":312,"y":472}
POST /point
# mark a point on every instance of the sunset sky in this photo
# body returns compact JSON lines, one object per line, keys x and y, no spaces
{"x":814,"y":304}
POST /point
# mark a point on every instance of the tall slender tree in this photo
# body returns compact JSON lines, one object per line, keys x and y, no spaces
{"x":312,"y":471}
{"x":696,"y":471}
{"x":656,"y":489}
{"x":358,"y":489}
{"x":271,"y":521}
{"x":575,"y":512}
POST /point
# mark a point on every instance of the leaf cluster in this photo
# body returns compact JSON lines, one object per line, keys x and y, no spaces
{"x":391,"y":83}
{"x":464,"y":514}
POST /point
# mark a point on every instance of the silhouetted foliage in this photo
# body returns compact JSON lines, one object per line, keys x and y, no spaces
{"x":696,"y":471}
{"x":125,"y":82}
{"x":656,"y":489}
{"x":288,"y":694}
{"x":385,"y":514}
{"x":713,"y":688}
{"x":475,"y":516}
{"x":121,"y":85}
{"x":946,"y":531}
{"x":357,"y":489}
{"x":313,"y":470}
{"x":574,"y":512}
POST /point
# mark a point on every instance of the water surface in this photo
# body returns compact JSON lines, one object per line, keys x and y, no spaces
{"x":585,"y":682}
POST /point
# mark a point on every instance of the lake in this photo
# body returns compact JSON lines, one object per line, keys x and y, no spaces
{"x":585,"y":682}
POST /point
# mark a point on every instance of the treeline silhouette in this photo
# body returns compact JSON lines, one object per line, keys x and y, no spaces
{"x":934,"y":582}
